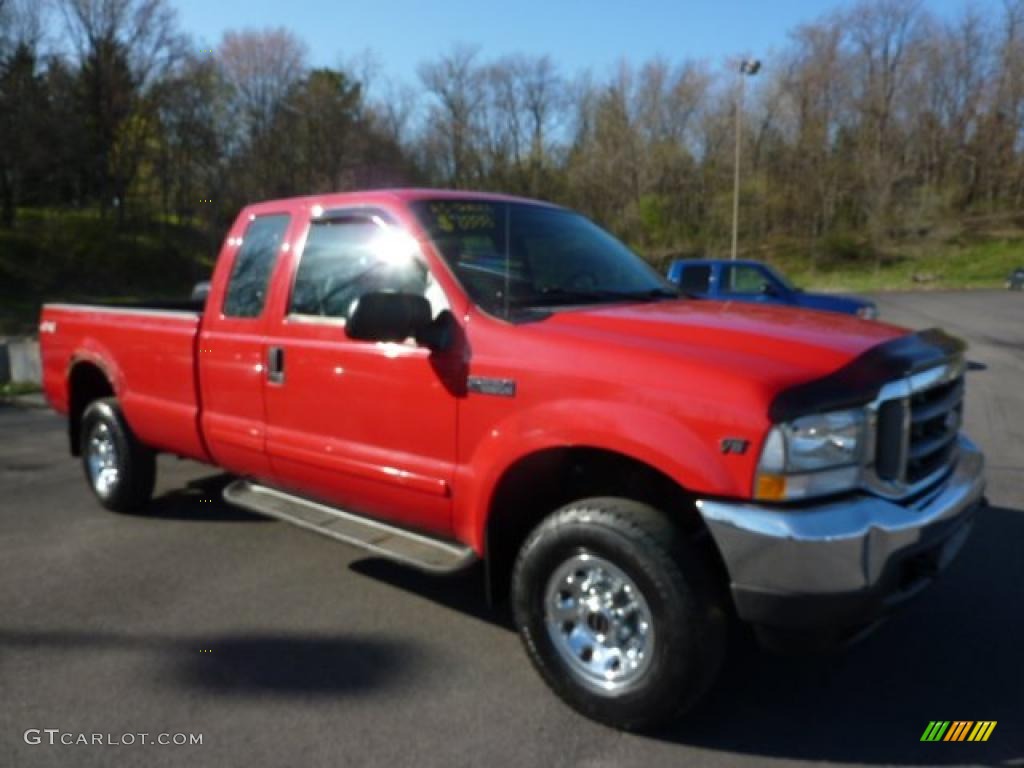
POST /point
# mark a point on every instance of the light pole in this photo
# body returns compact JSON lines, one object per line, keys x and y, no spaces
{"x":748,"y":68}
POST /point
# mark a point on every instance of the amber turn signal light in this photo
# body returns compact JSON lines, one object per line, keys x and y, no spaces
{"x":770,"y":487}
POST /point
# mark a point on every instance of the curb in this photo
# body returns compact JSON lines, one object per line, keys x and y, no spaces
{"x":33,"y":400}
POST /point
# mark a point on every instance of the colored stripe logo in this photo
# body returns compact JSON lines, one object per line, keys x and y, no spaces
{"x":958,"y":730}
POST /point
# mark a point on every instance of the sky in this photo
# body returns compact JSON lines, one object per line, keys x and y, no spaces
{"x":579,"y":34}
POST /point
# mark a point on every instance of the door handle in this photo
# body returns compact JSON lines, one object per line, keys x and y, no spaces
{"x":275,"y":365}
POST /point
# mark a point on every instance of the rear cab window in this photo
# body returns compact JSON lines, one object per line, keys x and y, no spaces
{"x":695,"y":279}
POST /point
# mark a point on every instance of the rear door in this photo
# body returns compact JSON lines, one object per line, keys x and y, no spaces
{"x":231,"y":343}
{"x":369,"y":427}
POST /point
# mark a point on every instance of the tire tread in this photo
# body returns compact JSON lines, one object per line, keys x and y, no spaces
{"x":139,"y":461}
{"x":677,"y":566}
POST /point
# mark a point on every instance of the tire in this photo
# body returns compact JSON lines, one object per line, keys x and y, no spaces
{"x":120,"y":470}
{"x":652,"y":677}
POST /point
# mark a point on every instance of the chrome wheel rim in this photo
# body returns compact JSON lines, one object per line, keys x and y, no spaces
{"x":599,"y":623}
{"x":103,"y":460}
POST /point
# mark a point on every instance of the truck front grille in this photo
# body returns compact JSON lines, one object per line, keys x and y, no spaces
{"x":935,"y":416}
{"x":917,"y":421}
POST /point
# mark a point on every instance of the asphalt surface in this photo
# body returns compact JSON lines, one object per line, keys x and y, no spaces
{"x":286,"y":649}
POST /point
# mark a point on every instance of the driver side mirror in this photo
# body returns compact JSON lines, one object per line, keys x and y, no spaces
{"x":201,"y":291}
{"x":396,"y":317}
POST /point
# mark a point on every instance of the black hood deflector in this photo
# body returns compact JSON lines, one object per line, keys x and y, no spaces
{"x":859,"y":381}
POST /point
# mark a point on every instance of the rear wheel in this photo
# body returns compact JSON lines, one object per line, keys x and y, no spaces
{"x":120,"y":470}
{"x":619,"y":612}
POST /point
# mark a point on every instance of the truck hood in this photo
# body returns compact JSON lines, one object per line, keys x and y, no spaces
{"x":776,"y":346}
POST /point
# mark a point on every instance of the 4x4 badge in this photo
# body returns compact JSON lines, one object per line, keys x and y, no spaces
{"x":735,"y":445}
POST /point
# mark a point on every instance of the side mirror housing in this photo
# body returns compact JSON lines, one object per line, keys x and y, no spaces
{"x":439,"y":334}
{"x":396,"y":317}
{"x":201,"y":290}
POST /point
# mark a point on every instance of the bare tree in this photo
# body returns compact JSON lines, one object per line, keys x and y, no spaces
{"x":543,"y":98}
{"x":124,"y":50}
{"x":1001,"y":134}
{"x":947,"y":98}
{"x":394,"y":108}
{"x":22,"y":22}
{"x":260,"y":67}
{"x":524,"y":94}
{"x":457,"y":84}
{"x":192,"y":138}
{"x":813,"y":92}
{"x":145,"y":30}
{"x":884,"y":37}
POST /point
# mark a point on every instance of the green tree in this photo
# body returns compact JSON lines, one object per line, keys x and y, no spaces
{"x":23,"y":122}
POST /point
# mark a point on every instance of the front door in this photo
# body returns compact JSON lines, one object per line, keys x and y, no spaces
{"x":369,"y":427}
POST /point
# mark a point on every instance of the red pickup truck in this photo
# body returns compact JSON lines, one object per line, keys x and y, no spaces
{"x":449,"y":378}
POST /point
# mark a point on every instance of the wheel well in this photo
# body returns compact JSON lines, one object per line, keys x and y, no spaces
{"x":87,"y":382}
{"x":540,"y":483}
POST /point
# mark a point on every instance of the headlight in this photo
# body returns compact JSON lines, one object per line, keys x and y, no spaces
{"x":868,"y":312}
{"x":812,"y":456}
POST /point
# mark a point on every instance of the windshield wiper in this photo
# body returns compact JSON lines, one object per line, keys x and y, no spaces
{"x":555,"y":296}
{"x":664,"y":293}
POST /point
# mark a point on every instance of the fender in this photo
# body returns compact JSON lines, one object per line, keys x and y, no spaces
{"x":648,"y":436}
{"x":95,"y":352}
{"x":91,"y":350}
{"x":94,"y":356}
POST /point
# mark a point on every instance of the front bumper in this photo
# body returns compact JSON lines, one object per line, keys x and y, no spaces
{"x":844,"y":563}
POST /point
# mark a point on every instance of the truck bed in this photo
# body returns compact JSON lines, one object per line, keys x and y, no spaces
{"x":147,"y":351}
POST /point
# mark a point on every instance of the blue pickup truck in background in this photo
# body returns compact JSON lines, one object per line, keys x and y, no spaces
{"x":744,"y":280}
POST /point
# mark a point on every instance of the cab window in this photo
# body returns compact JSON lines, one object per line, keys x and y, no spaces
{"x":744,"y":278}
{"x":696,"y":279}
{"x":348,"y":256}
{"x":254,"y":262}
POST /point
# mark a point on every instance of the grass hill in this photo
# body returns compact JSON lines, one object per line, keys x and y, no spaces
{"x":53,"y":255}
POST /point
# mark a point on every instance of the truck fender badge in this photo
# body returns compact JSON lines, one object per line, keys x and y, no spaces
{"x":483,"y":385}
{"x":735,"y":445}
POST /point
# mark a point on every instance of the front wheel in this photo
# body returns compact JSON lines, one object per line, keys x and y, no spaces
{"x":120,"y":470}
{"x":619,"y":612}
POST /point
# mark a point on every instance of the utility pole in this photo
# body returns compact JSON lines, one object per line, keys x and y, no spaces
{"x":748,"y":68}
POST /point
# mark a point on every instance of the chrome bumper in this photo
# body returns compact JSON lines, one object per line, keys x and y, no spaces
{"x":845,"y":560}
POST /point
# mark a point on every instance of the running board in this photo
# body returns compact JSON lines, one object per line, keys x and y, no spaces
{"x":385,"y":540}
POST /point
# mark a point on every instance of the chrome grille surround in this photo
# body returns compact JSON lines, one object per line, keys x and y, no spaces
{"x":924,"y":404}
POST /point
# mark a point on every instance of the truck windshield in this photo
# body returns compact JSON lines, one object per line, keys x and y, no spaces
{"x":517,"y":257}
{"x":781,"y":280}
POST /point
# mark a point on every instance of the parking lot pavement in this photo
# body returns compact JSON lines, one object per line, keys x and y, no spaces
{"x":285,"y":649}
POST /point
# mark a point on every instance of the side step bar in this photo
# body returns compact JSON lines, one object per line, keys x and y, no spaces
{"x":385,"y":540}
